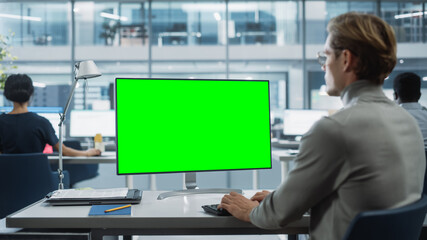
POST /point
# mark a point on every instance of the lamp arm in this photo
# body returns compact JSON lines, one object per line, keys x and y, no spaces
{"x":68,"y":101}
{"x":62,"y":119}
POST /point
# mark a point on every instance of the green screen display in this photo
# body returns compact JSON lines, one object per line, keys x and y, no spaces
{"x":185,"y":125}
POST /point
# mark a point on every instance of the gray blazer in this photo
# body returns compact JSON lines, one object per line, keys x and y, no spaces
{"x":369,"y":155}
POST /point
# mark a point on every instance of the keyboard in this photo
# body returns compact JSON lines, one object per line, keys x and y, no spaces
{"x":213,"y":209}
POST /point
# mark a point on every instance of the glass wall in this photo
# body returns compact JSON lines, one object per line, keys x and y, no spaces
{"x":260,"y":23}
{"x":11,"y":19}
{"x":36,"y":24}
{"x":47,"y":24}
{"x":133,"y":29}
{"x":318,"y":14}
{"x":115,"y":36}
{"x":177,"y":23}
{"x":111,"y":23}
{"x":407,"y":20}
{"x":193,"y":39}
{"x":265,"y":43}
{"x":188,"y":39}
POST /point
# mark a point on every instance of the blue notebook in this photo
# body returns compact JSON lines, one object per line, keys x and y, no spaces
{"x":97,"y":210}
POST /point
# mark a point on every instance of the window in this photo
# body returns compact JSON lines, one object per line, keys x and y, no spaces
{"x":318,"y":14}
{"x":256,"y":40}
{"x":187,"y":23}
{"x":406,"y":19}
{"x":39,"y":24}
{"x":263,"y":22}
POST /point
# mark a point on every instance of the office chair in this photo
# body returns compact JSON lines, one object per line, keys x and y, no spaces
{"x":25,"y":179}
{"x":78,"y":172}
{"x":425,"y":180}
{"x":399,"y":223}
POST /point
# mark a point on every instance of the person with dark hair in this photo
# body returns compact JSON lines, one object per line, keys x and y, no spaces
{"x":22,"y":131}
{"x":19,"y":88}
{"x":360,"y":158}
{"x":407,"y":92}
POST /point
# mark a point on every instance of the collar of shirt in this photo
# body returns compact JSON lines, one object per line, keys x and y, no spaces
{"x":362,"y":89}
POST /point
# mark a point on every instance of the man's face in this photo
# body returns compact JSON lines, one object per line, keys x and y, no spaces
{"x":333,"y":68}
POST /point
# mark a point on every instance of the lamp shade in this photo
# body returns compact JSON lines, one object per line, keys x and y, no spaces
{"x":87,"y":69}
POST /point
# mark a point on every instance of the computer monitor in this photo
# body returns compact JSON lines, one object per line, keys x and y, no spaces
{"x":191,"y":125}
{"x":88,"y":123}
{"x":50,"y":113}
{"x":296,"y":122}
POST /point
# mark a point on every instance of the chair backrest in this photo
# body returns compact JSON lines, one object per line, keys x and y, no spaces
{"x":425,"y":180}
{"x":399,"y":223}
{"x":24,"y":179}
{"x":78,"y":172}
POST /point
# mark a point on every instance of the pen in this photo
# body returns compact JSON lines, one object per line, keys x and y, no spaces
{"x":117,"y":208}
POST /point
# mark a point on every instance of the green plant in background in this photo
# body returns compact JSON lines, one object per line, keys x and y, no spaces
{"x":6,"y":58}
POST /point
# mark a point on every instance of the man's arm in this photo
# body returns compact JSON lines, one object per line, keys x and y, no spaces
{"x":318,"y":173}
{"x":259,"y":196}
{"x":66,"y":151}
{"x":241,"y":207}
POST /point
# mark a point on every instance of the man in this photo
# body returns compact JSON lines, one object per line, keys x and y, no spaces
{"x":362,"y":157}
{"x":407,"y":92}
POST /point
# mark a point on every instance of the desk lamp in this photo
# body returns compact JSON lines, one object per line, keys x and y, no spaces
{"x":82,"y":70}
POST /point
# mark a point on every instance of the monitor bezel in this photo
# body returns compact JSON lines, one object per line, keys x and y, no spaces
{"x":188,"y":79}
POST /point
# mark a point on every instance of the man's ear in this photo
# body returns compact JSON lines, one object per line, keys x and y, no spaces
{"x":349,"y":60}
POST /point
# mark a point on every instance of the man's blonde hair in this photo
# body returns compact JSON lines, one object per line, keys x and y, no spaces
{"x":368,"y":37}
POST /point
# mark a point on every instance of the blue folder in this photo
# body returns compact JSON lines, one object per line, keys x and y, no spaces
{"x":97,"y":210}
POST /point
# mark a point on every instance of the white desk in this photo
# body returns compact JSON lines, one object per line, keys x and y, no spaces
{"x":284,"y":156}
{"x":180,"y":215}
{"x":106,"y":157}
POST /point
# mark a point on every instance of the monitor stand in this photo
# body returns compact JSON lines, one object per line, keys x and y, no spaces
{"x":191,"y":185}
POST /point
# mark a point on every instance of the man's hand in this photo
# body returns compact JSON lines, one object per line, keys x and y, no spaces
{"x":238,"y":205}
{"x":259,"y":196}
